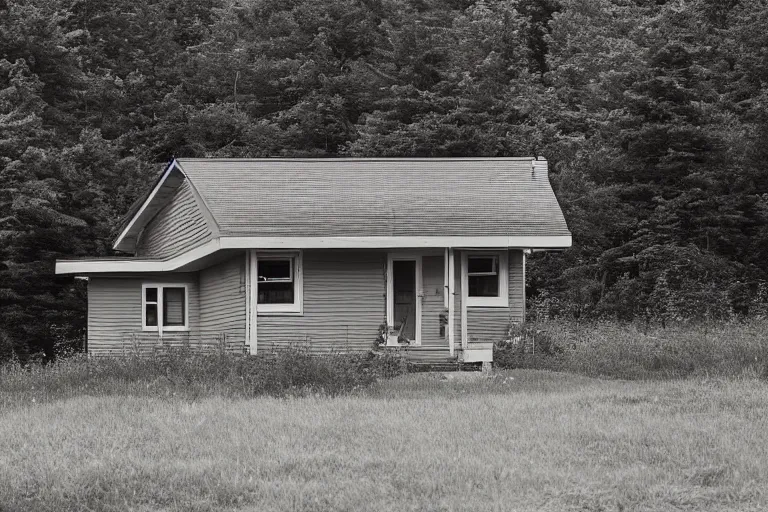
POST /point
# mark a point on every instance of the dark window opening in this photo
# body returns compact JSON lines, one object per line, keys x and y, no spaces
{"x":276,"y":281}
{"x":173,"y":307}
{"x":483,"y":276}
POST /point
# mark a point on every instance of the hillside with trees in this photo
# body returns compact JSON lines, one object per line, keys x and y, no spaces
{"x":653,"y":115}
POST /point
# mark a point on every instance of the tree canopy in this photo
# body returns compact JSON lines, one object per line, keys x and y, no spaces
{"x":653,"y":115}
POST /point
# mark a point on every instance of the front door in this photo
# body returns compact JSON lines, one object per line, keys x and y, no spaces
{"x":404,"y":300}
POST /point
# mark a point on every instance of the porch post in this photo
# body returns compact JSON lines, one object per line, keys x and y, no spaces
{"x":450,"y":278}
{"x":464,"y":285}
{"x":251,"y":299}
{"x":525,"y":254}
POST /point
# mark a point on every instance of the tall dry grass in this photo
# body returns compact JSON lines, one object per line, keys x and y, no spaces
{"x":517,"y":441}
{"x":635,"y":351}
{"x":183,"y":373}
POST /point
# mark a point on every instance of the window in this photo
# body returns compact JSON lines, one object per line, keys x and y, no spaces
{"x":164,"y":307}
{"x":279,"y":283}
{"x":485,"y":278}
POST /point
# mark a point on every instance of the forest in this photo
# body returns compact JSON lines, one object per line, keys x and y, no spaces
{"x":653,"y":116}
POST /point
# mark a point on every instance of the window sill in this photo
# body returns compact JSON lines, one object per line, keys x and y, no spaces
{"x":279,"y":313}
{"x":487,"y":302}
{"x":166,"y":329}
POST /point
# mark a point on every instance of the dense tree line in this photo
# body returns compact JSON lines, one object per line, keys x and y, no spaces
{"x":653,"y":115}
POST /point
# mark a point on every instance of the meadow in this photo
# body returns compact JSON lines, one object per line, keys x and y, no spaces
{"x":517,"y":440}
{"x":599,"y":418}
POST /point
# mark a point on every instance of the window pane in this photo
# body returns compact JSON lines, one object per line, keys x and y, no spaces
{"x":275,"y":270}
{"x":151,"y":294}
{"x":481,"y":265}
{"x":150,"y":315}
{"x":483,"y":286}
{"x":275,"y":293}
{"x":173,"y":307}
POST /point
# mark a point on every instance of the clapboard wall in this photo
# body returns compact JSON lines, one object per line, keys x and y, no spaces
{"x":114,"y":311}
{"x":490,"y":324}
{"x":222,"y":298}
{"x":344,"y":304}
{"x":178,"y":226}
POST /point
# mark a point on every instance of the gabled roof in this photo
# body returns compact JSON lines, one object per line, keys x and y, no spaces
{"x":383,"y":203}
{"x":370,"y":197}
{"x":378,"y":197}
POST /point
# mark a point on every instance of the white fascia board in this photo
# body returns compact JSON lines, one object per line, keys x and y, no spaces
{"x":99,"y":266}
{"x":394,"y":242}
{"x":102,"y":266}
{"x":144,"y":206}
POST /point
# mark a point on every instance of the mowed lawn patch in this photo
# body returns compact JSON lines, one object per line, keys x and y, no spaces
{"x":520,"y":440}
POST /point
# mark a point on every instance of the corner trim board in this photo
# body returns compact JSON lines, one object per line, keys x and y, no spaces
{"x":252,"y":316}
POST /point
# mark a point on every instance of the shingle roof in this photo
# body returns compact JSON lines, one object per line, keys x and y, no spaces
{"x":378,"y":197}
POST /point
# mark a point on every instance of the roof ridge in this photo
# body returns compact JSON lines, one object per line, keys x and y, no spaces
{"x":367,"y":159}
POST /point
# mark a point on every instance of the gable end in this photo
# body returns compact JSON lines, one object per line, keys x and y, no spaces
{"x":179,"y":226}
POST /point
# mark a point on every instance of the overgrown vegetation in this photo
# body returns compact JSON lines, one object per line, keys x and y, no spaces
{"x":520,"y":441}
{"x":652,"y":115}
{"x":184,"y":374}
{"x":637,"y":351}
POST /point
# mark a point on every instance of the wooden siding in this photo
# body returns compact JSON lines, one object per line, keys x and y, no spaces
{"x":178,"y":226}
{"x":432,"y":304}
{"x":114,"y":311}
{"x":344,"y":304}
{"x":490,"y":324}
{"x":222,"y":297}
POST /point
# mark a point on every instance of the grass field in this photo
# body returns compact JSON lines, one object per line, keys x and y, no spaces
{"x":520,"y":440}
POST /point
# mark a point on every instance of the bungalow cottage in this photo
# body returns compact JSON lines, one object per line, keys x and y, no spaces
{"x":331,"y":254}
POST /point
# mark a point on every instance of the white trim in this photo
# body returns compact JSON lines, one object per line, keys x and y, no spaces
{"x":98,"y":266}
{"x":451,"y":305}
{"x":392,"y":242}
{"x":145,"y":205}
{"x":502,"y":300}
{"x":390,"y":293}
{"x":417,"y":258}
{"x":524,"y":297}
{"x":463,"y":275}
{"x":445,"y":279}
{"x":247,"y":271}
{"x":476,"y":355}
{"x":253,"y":297}
{"x":297,"y":307}
{"x":160,"y":328}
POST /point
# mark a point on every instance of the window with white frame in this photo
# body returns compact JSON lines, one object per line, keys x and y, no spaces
{"x":279,"y":283}
{"x":485,"y":278}
{"x":165,"y":307}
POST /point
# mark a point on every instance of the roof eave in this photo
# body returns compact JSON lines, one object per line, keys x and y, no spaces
{"x":187,"y":260}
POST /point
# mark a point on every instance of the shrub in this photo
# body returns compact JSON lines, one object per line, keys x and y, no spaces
{"x":633,"y":351}
{"x":184,"y":373}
